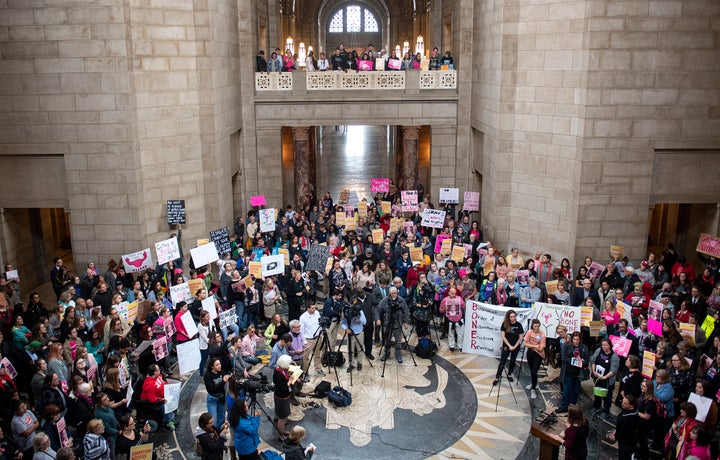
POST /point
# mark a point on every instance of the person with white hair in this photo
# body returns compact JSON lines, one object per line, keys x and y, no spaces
{"x":281,"y":393}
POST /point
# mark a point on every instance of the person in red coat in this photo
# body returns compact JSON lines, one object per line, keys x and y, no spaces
{"x":153,"y":391}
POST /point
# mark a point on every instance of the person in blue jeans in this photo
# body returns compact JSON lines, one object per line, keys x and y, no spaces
{"x":575,"y":357}
{"x":215,"y":385}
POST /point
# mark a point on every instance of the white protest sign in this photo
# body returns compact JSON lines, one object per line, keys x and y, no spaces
{"x":433,"y":218}
{"x":172,"y":395}
{"x":409,"y":200}
{"x":267,"y":220}
{"x":11,"y":274}
{"x":482,"y":327}
{"x":227,"y":318}
{"x":189,"y":323}
{"x":471,"y":201}
{"x":188,"y":354}
{"x":702,"y":404}
{"x":122,"y":309}
{"x":272,"y":265}
{"x":167,"y":250}
{"x":209,"y":306}
{"x":180,"y":292}
{"x":138,"y":261}
{"x":551,"y":316}
{"x":449,"y":195}
{"x":205,"y":254}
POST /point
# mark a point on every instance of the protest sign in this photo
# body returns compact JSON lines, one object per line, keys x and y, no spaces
{"x":317,"y":258}
{"x":394,"y":225}
{"x":648,"y":364}
{"x":394,"y":64}
{"x":482,"y":327}
{"x":167,"y":250}
{"x":449,"y":195}
{"x":329,"y":264}
{"x":386,"y":207}
{"x":595,"y":270}
{"x":501,"y":271}
{"x":349,"y":211}
{"x":522,"y":276}
{"x":61,"y":427}
{"x":255,"y":269}
{"x":409,"y":200}
{"x":189,"y":324}
{"x":272,"y":265}
{"x":180,"y":292}
{"x":416,"y":255}
{"x":408,"y":227}
{"x":362,"y":209}
{"x":380,"y":63}
{"x":353,"y":199}
{"x":708,"y":244}
{"x":340,"y":217}
{"x":380,"y":185}
{"x":621,"y":345}
{"x":160,"y":348}
{"x":702,"y":404}
{"x":365,"y":65}
{"x":169,"y":327}
{"x":433,"y":218}
{"x":439,"y":242}
{"x":132,"y":311}
{"x":172,"y":395}
{"x":286,"y":255}
{"x":11,"y":274}
{"x":378,"y":235}
{"x":194,"y":285}
{"x":228,"y":317}
{"x":458,"y":253}
{"x":138,"y":261}
{"x":446,"y":246}
{"x":188,"y":354}
{"x":175,"y":212}
{"x":687,"y":331}
{"x":344,"y":196}
{"x":350,"y":224}
{"x":616,"y":252}
{"x":586,"y":315}
{"x":221,"y":238}
{"x":267,"y":220}
{"x":596,"y":327}
{"x":258,"y":200}
{"x":9,"y":368}
{"x":202,"y":241}
{"x":551,"y":316}
{"x":142,"y":347}
{"x":204,"y":255}
{"x":488,"y":265}
{"x":551,"y":287}
{"x":625,"y":311}
{"x":471,"y":201}
{"x":468,"y":249}
{"x":141,"y":452}
{"x":208,"y":304}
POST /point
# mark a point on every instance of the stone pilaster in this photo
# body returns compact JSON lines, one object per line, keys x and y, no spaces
{"x":301,"y":151}
{"x":408,"y":174}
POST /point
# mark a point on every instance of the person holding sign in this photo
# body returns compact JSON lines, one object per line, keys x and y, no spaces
{"x":453,"y":307}
{"x":604,"y":365}
{"x":574,"y":355}
{"x":511,"y":333}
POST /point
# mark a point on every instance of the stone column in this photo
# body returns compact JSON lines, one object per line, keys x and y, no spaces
{"x":301,"y":152}
{"x":312,"y":160}
{"x":409,"y":173}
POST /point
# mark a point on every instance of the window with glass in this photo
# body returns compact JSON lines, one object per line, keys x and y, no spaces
{"x":353,"y":18}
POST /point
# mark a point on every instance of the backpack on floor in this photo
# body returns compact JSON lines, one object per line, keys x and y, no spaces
{"x":322,"y":389}
{"x":340,"y":397}
{"x":425,"y":348}
{"x":270,"y":455}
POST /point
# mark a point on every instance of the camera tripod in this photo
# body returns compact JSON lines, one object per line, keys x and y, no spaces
{"x":350,"y":352}
{"x":387,"y":336}
{"x":254,"y":406}
{"x":322,"y":343}
{"x":499,"y":384}
{"x":433,"y":321}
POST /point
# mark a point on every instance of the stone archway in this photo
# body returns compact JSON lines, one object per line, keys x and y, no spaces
{"x":378,"y":8}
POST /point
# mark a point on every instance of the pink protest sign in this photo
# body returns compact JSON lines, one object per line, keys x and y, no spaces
{"x":394,"y":64}
{"x":380,"y":184}
{"x":438,"y":241}
{"x":365,"y":65}
{"x":595,"y":270}
{"x":258,"y":200}
{"x":621,"y":345}
{"x":709,"y":245}
{"x":655,"y":327}
{"x":471,"y":201}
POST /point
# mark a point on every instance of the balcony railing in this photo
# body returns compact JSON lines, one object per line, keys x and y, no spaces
{"x":325,"y":81}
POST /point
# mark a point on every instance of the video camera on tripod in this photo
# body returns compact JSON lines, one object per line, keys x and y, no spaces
{"x":254,"y":385}
{"x":350,"y":309}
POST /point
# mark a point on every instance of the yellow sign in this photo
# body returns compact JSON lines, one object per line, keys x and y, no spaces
{"x":551,"y":287}
{"x":194,"y":285}
{"x":286,"y":255}
{"x":203,"y":241}
{"x":394,"y":224}
{"x":386,"y":206}
{"x":458,"y":253}
{"x":329,"y":264}
{"x":378,"y":235}
{"x":586,"y":314}
{"x":362,"y":209}
{"x":132,"y":311}
{"x":350,"y":224}
{"x":416,"y":255}
{"x":446,"y":246}
{"x":248,"y":281}
{"x":687,"y":331}
{"x":141,"y":452}
{"x":596,"y":327}
{"x":488,"y":265}
{"x":340,"y":218}
{"x":255,"y":269}
{"x":616,"y":252}
{"x":648,"y":364}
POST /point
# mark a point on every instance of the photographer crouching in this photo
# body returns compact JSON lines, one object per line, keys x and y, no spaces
{"x":394,"y":313}
{"x":353,"y":323}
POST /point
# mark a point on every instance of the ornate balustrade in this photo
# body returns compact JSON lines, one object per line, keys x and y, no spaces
{"x":324,"y":81}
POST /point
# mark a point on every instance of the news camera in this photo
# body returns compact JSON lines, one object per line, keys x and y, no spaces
{"x":255,"y":384}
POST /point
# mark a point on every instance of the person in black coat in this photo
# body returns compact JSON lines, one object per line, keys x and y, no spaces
{"x":626,"y":428}
{"x":292,"y":448}
{"x":211,"y":440}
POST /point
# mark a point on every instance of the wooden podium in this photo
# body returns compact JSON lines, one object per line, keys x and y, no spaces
{"x":549,"y":443}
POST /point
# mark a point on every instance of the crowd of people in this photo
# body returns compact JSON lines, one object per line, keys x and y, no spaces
{"x":76,"y":356}
{"x":352,"y":60}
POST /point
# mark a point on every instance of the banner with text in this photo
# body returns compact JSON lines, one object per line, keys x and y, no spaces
{"x":482,"y":327}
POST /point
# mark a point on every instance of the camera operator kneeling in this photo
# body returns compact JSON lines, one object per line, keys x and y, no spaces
{"x":212,"y":441}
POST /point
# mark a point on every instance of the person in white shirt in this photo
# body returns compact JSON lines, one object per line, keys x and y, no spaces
{"x":311,"y":332}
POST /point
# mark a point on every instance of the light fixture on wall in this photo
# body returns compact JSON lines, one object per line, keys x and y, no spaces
{"x":290,"y":45}
{"x":406,"y":47}
{"x":310,"y":48}
{"x":420,"y":45}
{"x":301,"y":54}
